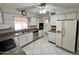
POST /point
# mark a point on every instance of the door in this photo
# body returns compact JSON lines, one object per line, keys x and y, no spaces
{"x":69,"y":36}
{"x":58,"y":33}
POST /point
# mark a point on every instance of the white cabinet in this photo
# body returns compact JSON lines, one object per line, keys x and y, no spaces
{"x":8,"y":19}
{"x":1,"y":18}
{"x":30,"y":37}
{"x":33,"y":21}
{"x":71,"y":15}
{"x":78,"y":15}
{"x":52,"y":37}
{"x":16,"y":40}
{"x":61,"y":17}
{"x":22,"y":40}
{"x":53,"y":20}
{"x":40,"y":33}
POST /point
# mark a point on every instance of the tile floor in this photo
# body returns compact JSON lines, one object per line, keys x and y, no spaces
{"x":43,"y":47}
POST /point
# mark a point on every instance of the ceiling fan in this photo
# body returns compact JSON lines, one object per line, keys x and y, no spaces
{"x":42,"y":8}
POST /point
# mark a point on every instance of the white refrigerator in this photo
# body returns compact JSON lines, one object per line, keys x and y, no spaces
{"x":66,"y":34}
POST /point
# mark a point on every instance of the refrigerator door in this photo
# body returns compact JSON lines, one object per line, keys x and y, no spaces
{"x":58,"y":33}
{"x":69,"y":38}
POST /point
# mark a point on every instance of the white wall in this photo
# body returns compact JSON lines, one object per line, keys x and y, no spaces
{"x":9,"y":13}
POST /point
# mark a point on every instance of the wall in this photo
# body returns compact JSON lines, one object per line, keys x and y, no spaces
{"x":9,"y":13}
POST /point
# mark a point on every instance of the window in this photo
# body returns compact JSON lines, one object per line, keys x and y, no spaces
{"x":20,"y":23}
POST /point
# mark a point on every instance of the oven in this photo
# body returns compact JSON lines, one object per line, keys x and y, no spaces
{"x":41,"y":26}
{"x":8,"y":47}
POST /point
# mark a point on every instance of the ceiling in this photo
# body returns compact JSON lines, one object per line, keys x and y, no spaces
{"x":36,"y":8}
{"x":19,"y":5}
{"x":25,"y":5}
{"x":67,"y":5}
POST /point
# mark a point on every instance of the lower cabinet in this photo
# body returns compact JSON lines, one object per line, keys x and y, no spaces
{"x":29,"y":37}
{"x":52,"y":37}
{"x":40,"y":33}
{"x":16,"y":40}
{"x":22,"y":40}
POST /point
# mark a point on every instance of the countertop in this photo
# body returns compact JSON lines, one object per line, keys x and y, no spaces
{"x":10,"y":34}
{"x":52,"y":30}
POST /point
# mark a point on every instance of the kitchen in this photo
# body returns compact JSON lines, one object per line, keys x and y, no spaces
{"x":39,"y":29}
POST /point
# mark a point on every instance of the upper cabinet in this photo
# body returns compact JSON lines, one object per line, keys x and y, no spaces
{"x":61,"y":17}
{"x":71,"y":15}
{"x":8,"y":19}
{"x":53,"y":20}
{"x":77,"y":15}
{"x":1,"y":20}
{"x":33,"y":21}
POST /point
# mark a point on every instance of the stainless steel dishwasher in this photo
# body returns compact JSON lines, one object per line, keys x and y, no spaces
{"x":35,"y":35}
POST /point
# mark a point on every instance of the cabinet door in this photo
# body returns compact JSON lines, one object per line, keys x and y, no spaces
{"x":61,"y":17}
{"x":30,"y":37}
{"x":40,"y":33}
{"x":22,"y":40}
{"x":71,"y":16}
{"x":78,"y":15}
{"x":33,"y":21}
{"x":16,"y":41}
{"x":68,"y":41}
{"x":8,"y":19}
{"x":58,"y":33}
{"x":52,"y":37}
{"x":53,"y":20}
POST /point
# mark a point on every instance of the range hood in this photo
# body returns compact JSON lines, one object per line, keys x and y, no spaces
{"x":4,"y":27}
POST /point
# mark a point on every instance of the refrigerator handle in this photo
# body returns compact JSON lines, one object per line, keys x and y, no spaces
{"x":63,"y":30}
